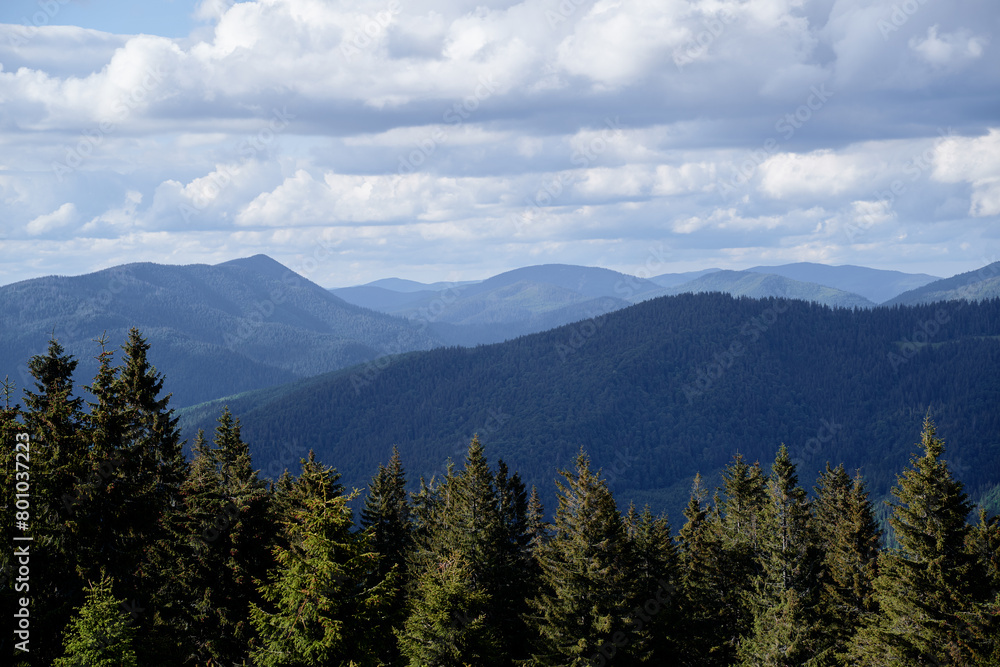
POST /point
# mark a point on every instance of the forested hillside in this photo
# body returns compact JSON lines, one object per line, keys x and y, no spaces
{"x":140,"y":557}
{"x":216,"y":330}
{"x":658,"y":391}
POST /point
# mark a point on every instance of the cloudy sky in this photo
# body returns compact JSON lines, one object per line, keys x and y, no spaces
{"x":452,"y":139}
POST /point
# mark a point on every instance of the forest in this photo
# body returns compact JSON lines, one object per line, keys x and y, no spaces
{"x":140,"y":555}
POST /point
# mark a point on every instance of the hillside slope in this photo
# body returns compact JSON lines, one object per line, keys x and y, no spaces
{"x":876,"y":285}
{"x":657,"y":392}
{"x":976,"y":285}
{"x":760,"y":286}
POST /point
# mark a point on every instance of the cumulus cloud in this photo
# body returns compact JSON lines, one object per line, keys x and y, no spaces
{"x":471,"y":135}
{"x":61,"y":217}
{"x":974,"y":160}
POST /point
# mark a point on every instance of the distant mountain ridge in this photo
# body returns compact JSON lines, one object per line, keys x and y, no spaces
{"x":876,"y":285}
{"x":978,"y":285}
{"x":214,"y":330}
{"x":548,"y":287}
{"x":763,"y":285}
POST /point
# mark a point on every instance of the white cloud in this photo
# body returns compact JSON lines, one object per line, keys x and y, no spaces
{"x":975,"y":160}
{"x":948,"y":49}
{"x":61,"y":217}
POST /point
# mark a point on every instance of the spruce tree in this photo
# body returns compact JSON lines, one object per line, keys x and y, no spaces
{"x":739,"y":517}
{"x":480,"y":518}
{"x":386,"y":515}
{"x":923,"y":587}
{"x":655,"y":576}
{"x":787,"y":618}
{"x":60,"y":476}
{"x":849,"y":540}
{"x":702,"y":579}
{"x":100,"y":634}
{"x":448,"y":625}
{"x":319,"y":606}
{"x":582,"y":613}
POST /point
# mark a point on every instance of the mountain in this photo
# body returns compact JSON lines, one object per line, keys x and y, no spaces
{"x":976,"y":285}
{"x":656,"y":392}
{"x":876,"y":285}
{"x":214,"y":330}
{"x":674,"y":279}
{"x":760,"y":285}
{"x":381,"y":299}
{"x":511,"y":304}
{"x":402,"y":285}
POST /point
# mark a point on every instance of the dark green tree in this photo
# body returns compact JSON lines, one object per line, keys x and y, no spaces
{"x":923,"y":587}
{"x":386,"y":515}
{"x":849,"y":538}
{"x":787,"y":618}
{"x":701,"y":559}
{"x":739,"y":518}
{"x":584,"y":602}
{"x":447,"y":626}
{"x":655,"y":574}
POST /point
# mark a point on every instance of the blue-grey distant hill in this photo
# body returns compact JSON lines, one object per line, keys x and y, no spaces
{"x":214,"y":330}
{"x":876,"y":285}
{"x":511,"y":304}
{"x":975,"y":285}
{"x":761,"y":285}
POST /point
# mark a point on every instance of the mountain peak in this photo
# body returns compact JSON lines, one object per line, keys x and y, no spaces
{"x":260,"y":264}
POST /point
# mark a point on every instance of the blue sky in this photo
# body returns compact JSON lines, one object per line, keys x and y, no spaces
{"x":449,"y":140}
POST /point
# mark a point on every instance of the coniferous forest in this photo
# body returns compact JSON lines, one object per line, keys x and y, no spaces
{"x":141,"y":556}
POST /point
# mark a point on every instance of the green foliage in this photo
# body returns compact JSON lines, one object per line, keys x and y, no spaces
{"x":319,"y":605}
{"x":925,"y":587}
{"x":100,"y":634}
{"x":584,"y":598}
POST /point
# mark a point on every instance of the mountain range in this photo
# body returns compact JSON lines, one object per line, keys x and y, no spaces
{"x":214,"y":330}
{"x":658,"y":391}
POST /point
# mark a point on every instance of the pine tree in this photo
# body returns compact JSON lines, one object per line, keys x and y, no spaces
{"x":318,"y":605}
{"x":60,"y":475}
{"x":655,"y":576}
{"x":100,"y":634}
{"x":448,"y":626}
{"x":786,"y":599}
{"x":702,"y":580}
{"x":386,"y":515}
{"x":923,"y":588}
{"x":849,"y":540}
{"x":983,"y":543}
{"x":738,"y":516}
{"x":582,"y":613}
{"x":480,"y":518}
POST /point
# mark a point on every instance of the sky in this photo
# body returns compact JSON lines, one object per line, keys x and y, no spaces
{"x":453,"y":140}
